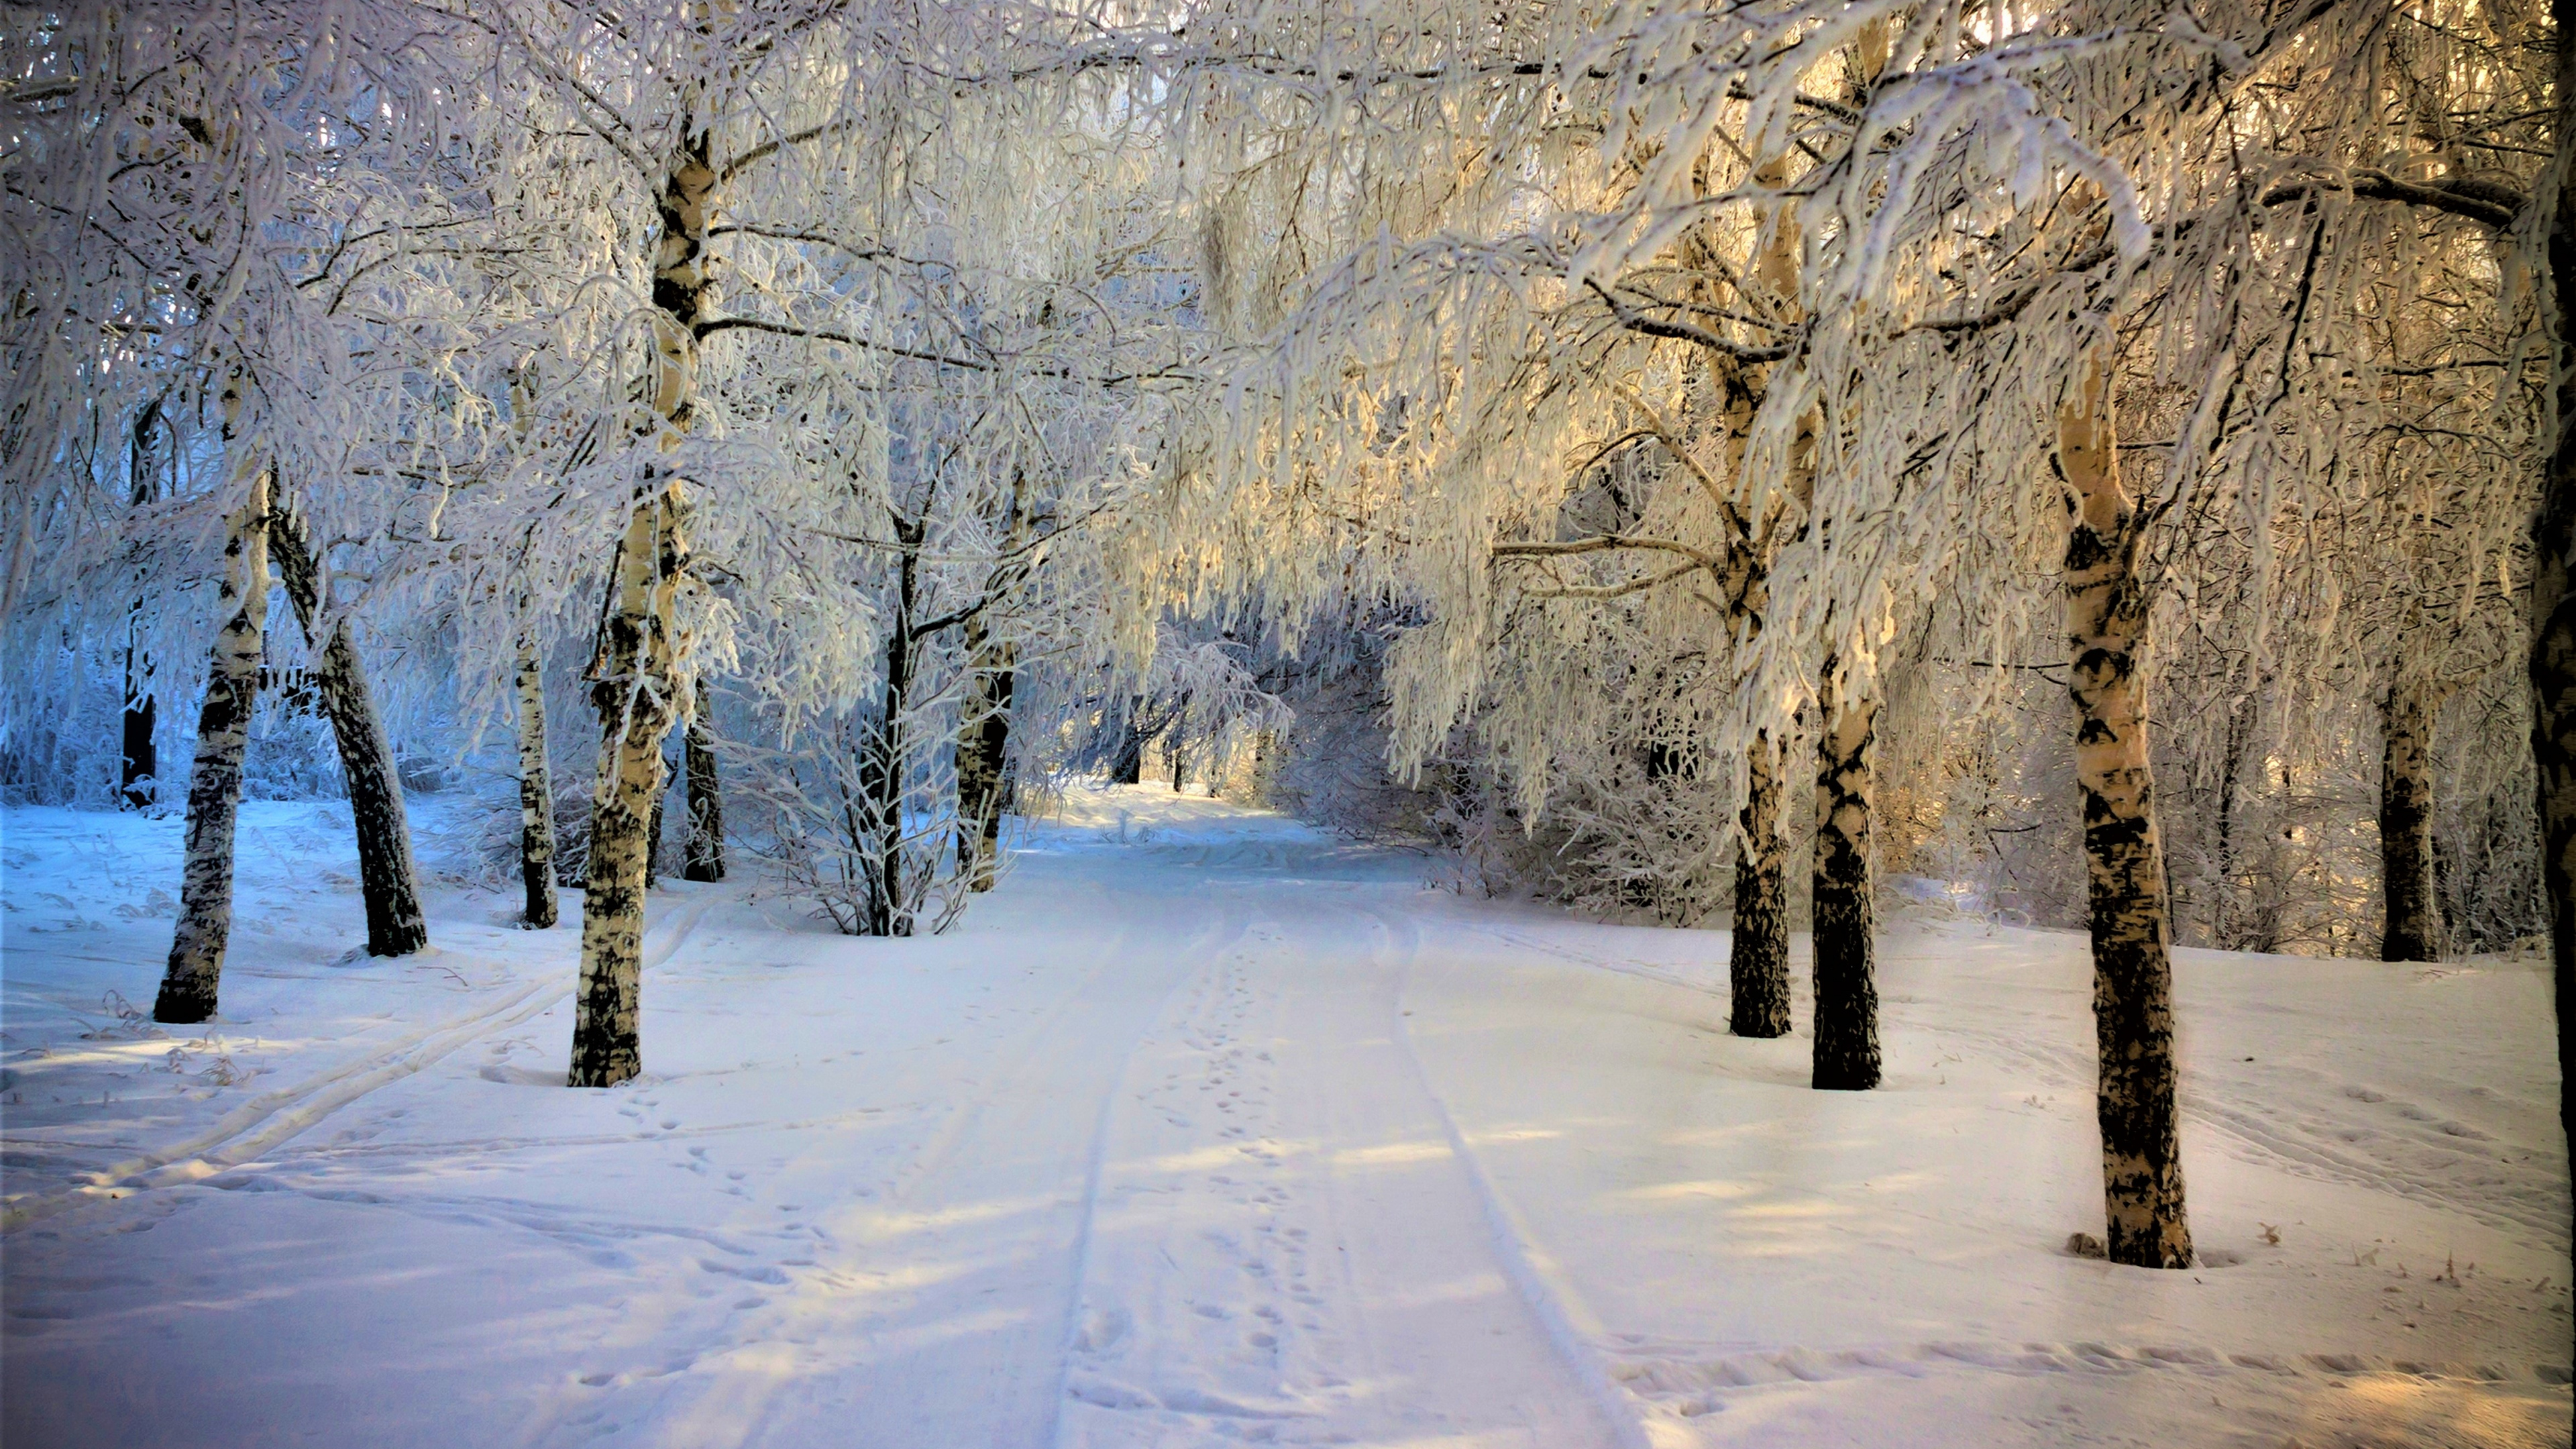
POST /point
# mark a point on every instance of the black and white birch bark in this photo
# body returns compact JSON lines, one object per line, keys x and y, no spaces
{"x":190,"y":985}
{"x":2106,"y":625}
{"x":386,"y":879}
{"x":637,"y":671}
{"x":536,"y":792}
{"x":1846,"y":1044}
{"x":1758,"y":953}
{"x":2411,"y":928}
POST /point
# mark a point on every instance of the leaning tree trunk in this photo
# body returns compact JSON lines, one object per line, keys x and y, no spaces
{"x":536,"y":792}
{"x":1758,"y":955}
{"x":395,"y":925}
{"x":2413,"y":928}
{"x":188,"y":987}
{"x":2106,"y":622}
{"x":2553,"y":587}
{"x":703,"y":858}
{"x":983,"y":752}
{"x":1846,"y":1054}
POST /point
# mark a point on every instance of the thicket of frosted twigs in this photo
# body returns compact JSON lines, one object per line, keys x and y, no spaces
{"x":2103,"y":464}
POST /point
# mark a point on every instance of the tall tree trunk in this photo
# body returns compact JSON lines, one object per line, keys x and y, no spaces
{"x":1758,"y":955}
{"x":395,"y":925}
{"x":639,"y":670}
{"x":2553,"y":584}
{"x":881,"y":758}
{"x":1172,"y":746}
{"x":2106,"y":621}
{"x":983,"y":753}
{"x":704,"y":860}
{"x":536,"y":792}
{"x":2413,"y":926}
{"x":1846,"y":1054}
{"x":188,"y":987}
{"x":635,"y":692}
{"x":140,"y":755}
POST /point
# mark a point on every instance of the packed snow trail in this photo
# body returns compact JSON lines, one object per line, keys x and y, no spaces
{"x":1207,"y":1128}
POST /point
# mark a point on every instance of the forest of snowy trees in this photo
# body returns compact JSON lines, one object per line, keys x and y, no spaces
{"x":2105,"y":464}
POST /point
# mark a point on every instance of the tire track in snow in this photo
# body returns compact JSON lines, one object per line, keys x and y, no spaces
{"x":279,"y":1115}
{"x":1567,"y":1322}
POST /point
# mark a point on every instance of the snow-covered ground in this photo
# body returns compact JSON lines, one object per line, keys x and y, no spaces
{"x":1208,"y":1128}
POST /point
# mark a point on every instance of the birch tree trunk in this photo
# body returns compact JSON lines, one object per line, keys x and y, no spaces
{"x":2106,"y":621}
{"x":1758,"y":956}
{"x":2553,"y":587}
{"x":636,"y":694}
{"x":703,"y":859}
{"x":536,"y":793}
{"x":983,"y":752}
{"x":2413,"y":927}
{"x":189,"y":985}
{"x":395,"y":925}
{"x":1846,"y":1048}
{"x":637,"y":673}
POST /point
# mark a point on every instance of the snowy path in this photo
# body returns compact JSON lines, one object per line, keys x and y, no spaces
{"x":1207,"y":1129}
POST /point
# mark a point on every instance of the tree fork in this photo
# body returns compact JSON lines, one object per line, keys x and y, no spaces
{"x":1758,"y":955}
{"x":2106,"y":619}
{"x":386,"y":879}
{"x":1846,"y":1046}
{"x":189,"y":985}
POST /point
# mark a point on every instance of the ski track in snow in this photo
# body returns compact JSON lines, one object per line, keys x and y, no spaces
{"x":1209,"y":1129}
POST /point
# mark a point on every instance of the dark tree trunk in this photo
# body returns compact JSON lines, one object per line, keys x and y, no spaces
{"x":1846,"y":1056}
{"x":1172,"y":744}
{"x":1758,"y":954}
{"x":2553,"y":599}
{"x":653,"y":831}
{"x":881,"y":759}
{"x":983,"y":754}
{"x":395,"y":925}
{"x":2413,"y":927}
{"x":536,"y":793}
{"x":140,"y":761}
{"x":2106,"y":621}
{"x":704,"y":860}
{"x":1129,"y":767}
{"x":190,"y":985}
